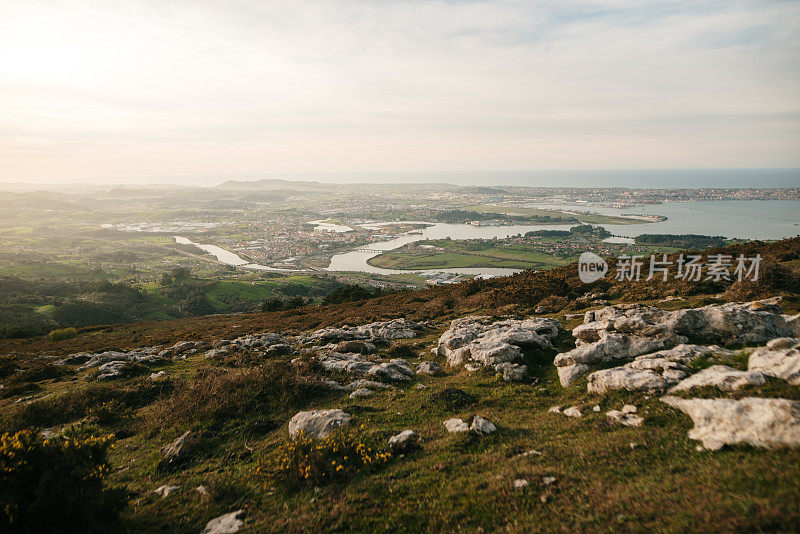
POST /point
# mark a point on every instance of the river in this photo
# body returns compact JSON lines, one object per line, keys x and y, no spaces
{"x":751,"y":219}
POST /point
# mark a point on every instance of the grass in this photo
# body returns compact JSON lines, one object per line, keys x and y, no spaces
{"x":455,"y":482}
{"x":242,"y":405}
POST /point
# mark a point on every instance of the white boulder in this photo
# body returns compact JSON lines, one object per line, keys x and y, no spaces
{"x":317,"y":424}
{"x":722,"y":377}
{"x":757,"y":421}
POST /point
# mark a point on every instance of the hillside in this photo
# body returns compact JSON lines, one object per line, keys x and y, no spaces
{"x":201,"y":409}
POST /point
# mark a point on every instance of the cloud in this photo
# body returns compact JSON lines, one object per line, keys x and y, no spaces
{"x":149,"y":89}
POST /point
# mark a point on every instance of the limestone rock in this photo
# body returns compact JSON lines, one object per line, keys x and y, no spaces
{"x":757,"y":421}
{"x":573,"y":411}
{"x":780,"y":358}
{"x":394,"y":329}
{"x":625,"y":331}
{"x":482,"y":426}
{"x":143,"y":355}
{"x":359,"y":347}
{"x":721,"y":376}
{"x":488,"y":342}
{"x":363,"y":383}
{"x":405,"y":441}
{"x":225,"y":524}
{"x":165,"y":490}
{"x":627,"y":419}
{"x":395,"y":370}
{"x":317,"y":424}
{"x":511,"y":372}
{"x":112,"y":370}
{"x":456,"y":425}
{"x":361,"y":393}
{"x":430,"y":368}
{"x":569,"y":373}
{"x":178,"y":450}
{"x":345,"y":363}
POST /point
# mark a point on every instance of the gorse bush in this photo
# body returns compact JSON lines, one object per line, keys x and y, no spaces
{"x":306,"y":461}
{"x":55,"y":485}
{"x":62,"y":333}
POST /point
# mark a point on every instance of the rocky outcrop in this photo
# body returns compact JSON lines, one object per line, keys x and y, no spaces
{"x":363,"y":383}
{"x":722,"y":377}
{"x":354,"y":364}
{"x":359,"y":347}
{"x":624,"y":332}
{"x":487,"y":342}
{"x":317,"y":424}
{"x":780,"y":358}
{"x":755,"y":421}
{"x":112,"y":370}
{"x":394,"y":329}
{"x":143,"y":355}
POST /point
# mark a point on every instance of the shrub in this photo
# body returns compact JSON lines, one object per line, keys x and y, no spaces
{"x":77,"y":403}
{"x":62,"y":333}
{"x":306,"y":461}
{"x":218,"y":396}
{"x":55,"y":485}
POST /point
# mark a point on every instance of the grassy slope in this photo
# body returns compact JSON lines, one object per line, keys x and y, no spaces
{"x":454,"y":482}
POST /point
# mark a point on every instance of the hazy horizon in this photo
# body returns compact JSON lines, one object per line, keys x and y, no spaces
{"x":146,"y":91}
{"x":577,"y":178}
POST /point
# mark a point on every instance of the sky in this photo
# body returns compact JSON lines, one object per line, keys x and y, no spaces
{"x":202,"y":91}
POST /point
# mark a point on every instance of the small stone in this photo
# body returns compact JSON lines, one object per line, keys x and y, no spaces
{"x":547,"y":481}
{"x":202,"y":490}
{"x":520,"y":483}
{"x":699,"y":448}
{"x":361,"y":393}
{"x":627,"y":419}
{"x":596,"y":408}
{"x":633,"y":445}
{"x":573,"y":412}
{"x":165,"y":490}
{"x":629,"y":408}
{"x":555,"y":409}
{"x":156,"y":376}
